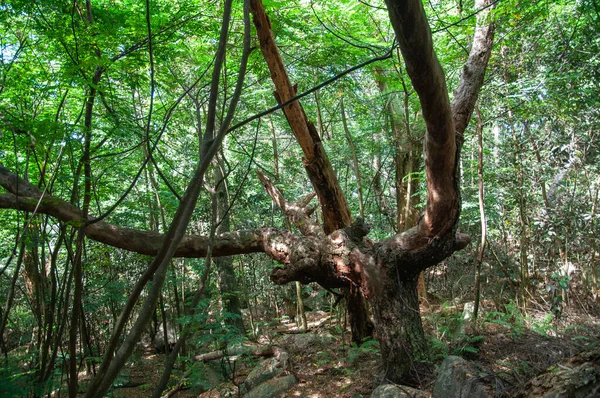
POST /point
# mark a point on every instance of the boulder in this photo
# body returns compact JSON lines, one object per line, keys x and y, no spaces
{"x":266,"y":370}
{"x":458,"y":378}
{"x":396,"y":391}
{"x":273,"y":388}
{"x":305,"y":340}
{"x":159,"y":339}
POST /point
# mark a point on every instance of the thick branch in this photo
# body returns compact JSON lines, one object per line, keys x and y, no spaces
{"x":268,"y":240}
{"x":434,"y":238}
{"x":336,"y":213}
{"x":471,"y":80}
{"x":414,"y":37}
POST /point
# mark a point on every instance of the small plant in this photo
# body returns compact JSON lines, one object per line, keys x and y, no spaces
{"x":438,"y":349}
{"x":545,"y":327}
{"x":512,"y":319}
{"x":468,"y":345}
{"x":323,"y":358}
{"x":558,"y":285}
{"x":369,"y":346}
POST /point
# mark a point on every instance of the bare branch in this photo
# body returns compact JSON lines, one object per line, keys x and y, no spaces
{"x":295,"y":212}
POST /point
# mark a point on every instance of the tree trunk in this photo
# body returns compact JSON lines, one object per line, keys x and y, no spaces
{"x":336,"y":213}
{"x":593,"y":248}
{"x":481,"y":215}
{"x":355,"y":165}
{"x":300,"y":314}
{"x":360,"y":323}
{"x":517,"y":164}
{"x":399,"y":329}
{"x":226,"y":273}
{"x":11,"y":295}
{"x":318,"y":167}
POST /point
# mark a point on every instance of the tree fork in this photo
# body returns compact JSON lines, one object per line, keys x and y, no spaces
{"x":336,"y":213}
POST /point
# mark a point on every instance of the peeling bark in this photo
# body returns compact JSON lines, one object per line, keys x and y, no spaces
{"x":336,"y":213}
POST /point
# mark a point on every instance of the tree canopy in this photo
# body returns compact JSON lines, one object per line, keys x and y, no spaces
{"x":141,"y":141}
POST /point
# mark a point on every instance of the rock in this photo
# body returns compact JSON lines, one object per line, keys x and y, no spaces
{"x":396,"y":391}
{"x":159,"y":339}
{"x":468,"y":311}
{"x":211,"y":375}
{"x":266,"y":370}
{"x":304,"y":340}
{"x":458,"y":378}
{"x":274,"y":388}
{"x":575,"y":377}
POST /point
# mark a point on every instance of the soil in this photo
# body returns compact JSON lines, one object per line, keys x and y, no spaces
{"x":510,"y":352}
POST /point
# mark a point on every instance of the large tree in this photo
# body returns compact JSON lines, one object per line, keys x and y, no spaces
{"x":337,"y":254}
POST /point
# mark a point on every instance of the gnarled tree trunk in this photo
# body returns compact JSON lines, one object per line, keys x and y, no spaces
{"x":336,"y":255}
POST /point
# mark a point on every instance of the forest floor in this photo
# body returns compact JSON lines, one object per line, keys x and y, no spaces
{"x":511,"y":351}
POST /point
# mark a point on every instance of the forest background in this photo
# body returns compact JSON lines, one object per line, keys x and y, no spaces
{"x":110,"y":106}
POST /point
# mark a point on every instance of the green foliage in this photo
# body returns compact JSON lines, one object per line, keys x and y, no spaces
{"x":355,"y":351}
{"x":438,"y":349}
{"x":540,"y":110}
{"x":511,"y":319}
{"x":15,"y":381}
{"x":545,"y":326}
{"x":467,"y":345}
{"x":323,"y":358}
{"x":448,"y":338}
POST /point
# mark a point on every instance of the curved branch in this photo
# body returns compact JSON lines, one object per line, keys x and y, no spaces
{"x":297,"y":212}
{"x":471,"y":79}
{"x":414,"y":38}
{"x":25,"y":196}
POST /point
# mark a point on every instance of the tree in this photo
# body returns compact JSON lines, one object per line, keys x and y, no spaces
{"x":336,"y":254}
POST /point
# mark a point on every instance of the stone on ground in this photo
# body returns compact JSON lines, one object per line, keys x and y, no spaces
{"x":459,"y":378}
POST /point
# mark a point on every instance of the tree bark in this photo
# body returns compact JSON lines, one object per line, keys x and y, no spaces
{"x":336,"y":213}
{"x":300,"y":314}
{"x":403,"y":348}
{"x":318,"y":167}
{"x":481,"y":215}
{"x":227,"y":280}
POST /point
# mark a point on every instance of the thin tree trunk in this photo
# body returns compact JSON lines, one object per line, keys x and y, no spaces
{"x":517,"y":164}
{"x":51,"y":313}
{"x":301,"y":315}
{"x":158,"y":205}
{"x":539,"y":178}
{"x":354,"y":159}
{"x":320,"y":126}
{"x":226,"y":273}
{"x":11,"y":294}
{"x":80,"y":241}
{"x":481,"y":215}
{"x":190,"y":311}
{"x":593,"y":247}
{"x":63,"y":312}
{"x":382,"y":202}
{"x":247,"y":298}
{"x":275,"y":149}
